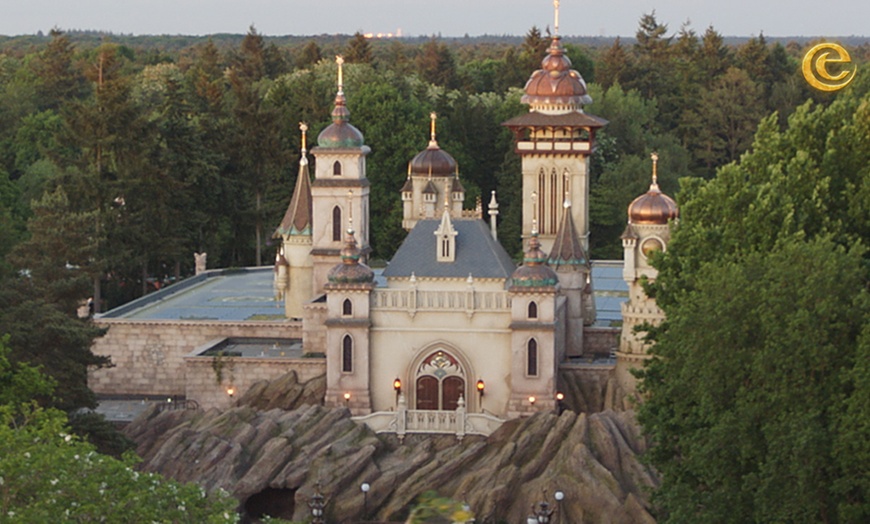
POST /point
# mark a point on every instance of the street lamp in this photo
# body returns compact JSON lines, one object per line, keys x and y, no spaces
{"x":397,"y":386}
{"x":481,"y":386}
{"x":560,"y":397}
{"x":365,"y":487}
{"x":559,"y":496}
{"x":317,"y":503}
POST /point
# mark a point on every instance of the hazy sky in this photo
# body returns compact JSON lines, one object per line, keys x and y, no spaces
{"x":448,"y":17}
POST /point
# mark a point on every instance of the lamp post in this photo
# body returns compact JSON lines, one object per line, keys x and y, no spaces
{"x":560,"y":404}
{"x":559,"y":496}
{"x":481,"y":386}
{"x":317,"y":503}
{"x":397,"y":386}
{"x":230,"y":393}
{"x":365,"y":487}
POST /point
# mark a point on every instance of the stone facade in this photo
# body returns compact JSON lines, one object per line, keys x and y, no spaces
{"x":148,"y":356}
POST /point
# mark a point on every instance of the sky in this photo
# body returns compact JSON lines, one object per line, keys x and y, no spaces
{"x":823,"y":18}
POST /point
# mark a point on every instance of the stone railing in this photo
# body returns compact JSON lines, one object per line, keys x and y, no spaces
{"x":413,"y":300}
{"x":426,"y":421}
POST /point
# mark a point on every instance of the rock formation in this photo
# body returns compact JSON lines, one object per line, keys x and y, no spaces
{"x":272,"y":460}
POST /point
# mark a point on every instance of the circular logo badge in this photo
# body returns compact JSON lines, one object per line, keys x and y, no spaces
{"x":815,"y":67}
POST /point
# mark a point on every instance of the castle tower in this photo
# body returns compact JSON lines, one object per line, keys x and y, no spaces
{"x":571,"y":264}
{"x":536,"y":349}
{"x":433,"y":176}
{"x":348,"y":326}
{"x":293,"y":265}
{"x":648,"y":231}
{"x":340,"y":169}
{"x":555,"y":139}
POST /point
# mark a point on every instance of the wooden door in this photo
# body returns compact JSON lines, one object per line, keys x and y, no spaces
{"x":452,"y":389}
{"x":427,"y":393}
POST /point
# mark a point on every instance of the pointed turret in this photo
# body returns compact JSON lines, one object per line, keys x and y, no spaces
{"x":293,"y":264}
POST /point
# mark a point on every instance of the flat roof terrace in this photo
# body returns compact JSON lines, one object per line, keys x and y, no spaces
{"x":224,"y":295}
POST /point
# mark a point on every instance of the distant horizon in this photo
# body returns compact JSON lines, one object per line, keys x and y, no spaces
{"x":446,"y":18}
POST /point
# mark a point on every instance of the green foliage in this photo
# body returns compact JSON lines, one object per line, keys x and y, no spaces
{"x":20,"y":382}
{"x":48,"y":475}
{"x":757,"y":400}
{"x":432,"y":508}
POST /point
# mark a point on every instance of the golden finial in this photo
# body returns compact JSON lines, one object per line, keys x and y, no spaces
{"x":432,"y":118}
{"x":655,"y":176}
{"x":534,"y":213}
{"x":340,"y":61}
{"x":446,"y":194}
{"x":556,"y":23}
{"x":350,"y":211}
{"x":304,"y":128}
{"x":567,"y":202}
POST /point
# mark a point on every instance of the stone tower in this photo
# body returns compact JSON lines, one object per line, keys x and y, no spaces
{"x":649,"y":230}
{"x":293,"y":265}
{"x":555,"y":139}
{"x":340,"y":189}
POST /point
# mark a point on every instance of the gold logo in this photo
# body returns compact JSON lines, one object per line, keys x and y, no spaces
{"x":815,"y":67}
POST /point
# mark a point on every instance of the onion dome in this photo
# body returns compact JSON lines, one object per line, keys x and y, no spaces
{"x":340,"y":133}
{"x":653,"y":207}
{"x":556,"y":83}
{"x":534,"y":272}
{"x":350,"y":271}
{"x":433,"y":161}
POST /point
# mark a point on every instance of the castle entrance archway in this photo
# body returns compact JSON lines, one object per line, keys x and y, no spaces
{"x":440,"y":381}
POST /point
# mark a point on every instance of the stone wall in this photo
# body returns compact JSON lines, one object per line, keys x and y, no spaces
{"x":240,"y":374}
{"x":600,"y":340}
{"x":148,"y":356}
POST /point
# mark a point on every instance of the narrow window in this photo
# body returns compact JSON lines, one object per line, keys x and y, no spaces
{"x":532,"y":358}
{"x":336,"y":168}
{"x":347,"y":308}
{"x":533,"y":310}
{"x":336,"y":224}
{"x":347,"y":354}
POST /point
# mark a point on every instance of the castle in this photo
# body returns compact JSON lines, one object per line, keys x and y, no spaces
{"x":451,"y":324}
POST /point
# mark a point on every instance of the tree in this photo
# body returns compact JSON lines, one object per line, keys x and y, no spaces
{"x":752,"y":399}
{"x":358,"y":50}
{"x":436,"y":64}
{"x":614,"y":66}
{"x":49,"y":475}
{"x":309,"y":55}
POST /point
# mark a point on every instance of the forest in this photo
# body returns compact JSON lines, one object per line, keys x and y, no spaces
{"x":121,"y":157}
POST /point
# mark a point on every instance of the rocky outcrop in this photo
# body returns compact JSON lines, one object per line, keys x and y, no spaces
{"x":272,"y":460}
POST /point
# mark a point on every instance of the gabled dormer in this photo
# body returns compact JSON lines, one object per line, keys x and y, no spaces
{"x":446,"y":239}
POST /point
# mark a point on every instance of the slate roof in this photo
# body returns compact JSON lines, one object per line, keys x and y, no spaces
{"x":572,"y":119}
{"x":477,"y":253}
{"x":297,"y":219}
{"x":567,"y":249}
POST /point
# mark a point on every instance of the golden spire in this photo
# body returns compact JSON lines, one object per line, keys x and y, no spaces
{"x":556,"y":24}
{"x":534,"y":213}
{"x":350,"y":212}
{"x":446,"y":195}
{"x":304,"y":128}
{"x":340,"y":61}
{"x":655,"y":177}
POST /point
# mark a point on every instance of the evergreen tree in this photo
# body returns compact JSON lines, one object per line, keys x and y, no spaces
{"x":358,"y":50}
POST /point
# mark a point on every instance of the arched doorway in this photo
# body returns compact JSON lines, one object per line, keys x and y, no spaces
{"x":440,"y":381}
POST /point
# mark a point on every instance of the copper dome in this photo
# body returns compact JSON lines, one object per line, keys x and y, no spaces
{"x":350,"y":270}
{"x":556,"y":82}
{"x":534,"y":272}
{"x":340,"y":133}
{"x":653,"y":207}
{"x":433,"y":161}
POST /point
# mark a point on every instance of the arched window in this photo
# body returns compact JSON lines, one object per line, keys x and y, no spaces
{"x":532,"y":358}
{"x":336,"y":224}
{"x":533,"y":310}
{"x":347,"y":307}
{"x":336,"y":168}
{"x":347,"y":354}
